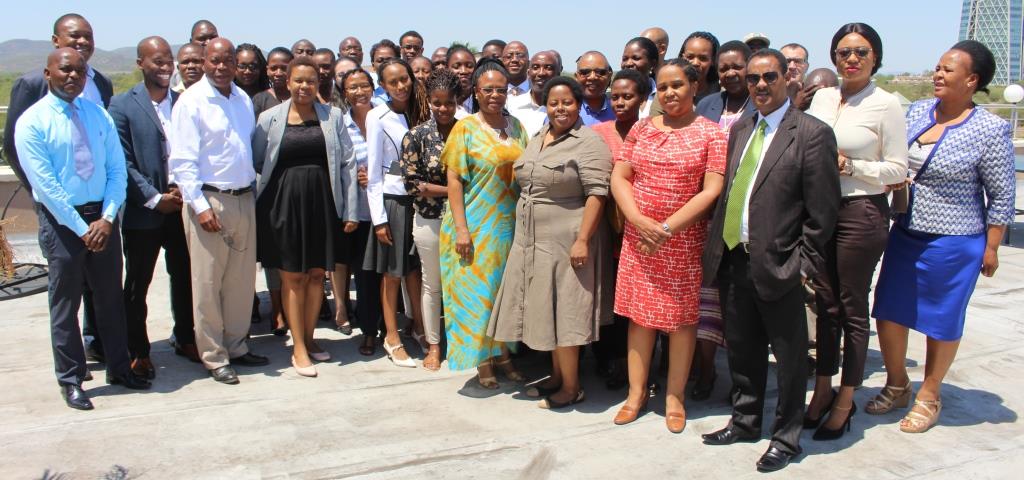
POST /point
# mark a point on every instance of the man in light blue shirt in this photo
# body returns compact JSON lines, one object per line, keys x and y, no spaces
{"x":594,"y":75}
{"x":73,"y":159}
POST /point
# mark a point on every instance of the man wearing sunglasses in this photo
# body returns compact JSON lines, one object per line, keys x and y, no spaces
{"x":767,"y":234}
{"x":594,"y":74}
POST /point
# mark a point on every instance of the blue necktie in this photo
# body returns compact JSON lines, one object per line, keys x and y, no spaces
{"x":80,"y":142}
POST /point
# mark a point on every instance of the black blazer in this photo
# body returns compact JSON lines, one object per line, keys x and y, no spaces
{"x":711,"y":106}
{"x":26,"y":91}
{"x":792,"y":207}
{"x":142,"y":138}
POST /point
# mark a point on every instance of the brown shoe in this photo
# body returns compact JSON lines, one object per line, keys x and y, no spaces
{"x":143,"y":367}
{"x":675,"y":421}
{"x":189,"y":351}
{"x":628,"y":414}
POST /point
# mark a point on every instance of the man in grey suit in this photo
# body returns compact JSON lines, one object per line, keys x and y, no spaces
{"x":767,"y":235}
{"x":73,"y":31}
{"x":152,"y":214}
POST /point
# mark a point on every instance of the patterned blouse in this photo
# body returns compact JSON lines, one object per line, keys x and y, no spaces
{"x":421,"y":162}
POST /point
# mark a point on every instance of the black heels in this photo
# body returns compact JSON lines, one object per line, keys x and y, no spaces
{"x":810,"y":423}
{"x":823,"y":433}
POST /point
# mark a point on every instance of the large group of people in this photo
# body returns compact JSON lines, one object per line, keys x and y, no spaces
{"x":692,"y":201}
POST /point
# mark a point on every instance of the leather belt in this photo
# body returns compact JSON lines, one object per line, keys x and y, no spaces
{"x":91,"y":208}
{"x":235,"y":192}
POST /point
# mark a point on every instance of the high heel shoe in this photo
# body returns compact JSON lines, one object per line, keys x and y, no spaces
{"x":628,"y":414}
{"x":891,"y":397}
{"x":823,"y":433}
{"x":407,"y":363}
{"x":309,"y":371}
{"x":810,"y":423}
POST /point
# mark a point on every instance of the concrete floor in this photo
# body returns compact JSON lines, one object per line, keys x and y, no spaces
{"x":365,"y":418}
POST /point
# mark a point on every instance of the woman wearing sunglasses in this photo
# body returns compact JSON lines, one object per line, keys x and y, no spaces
{"x":871,"y":135}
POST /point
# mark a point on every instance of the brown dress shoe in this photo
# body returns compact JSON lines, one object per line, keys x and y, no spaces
{"x":628,"y":414}
{"x":143,"y":367}
{"x":189,"y":351}
{"x":675,"y":421}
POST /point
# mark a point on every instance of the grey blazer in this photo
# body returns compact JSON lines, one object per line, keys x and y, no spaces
{"x":341,"y":162}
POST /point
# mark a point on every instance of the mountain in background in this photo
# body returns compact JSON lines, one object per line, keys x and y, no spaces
{"x":20,"y":55}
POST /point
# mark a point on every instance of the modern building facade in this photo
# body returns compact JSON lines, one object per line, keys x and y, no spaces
{"x":998,"y":24}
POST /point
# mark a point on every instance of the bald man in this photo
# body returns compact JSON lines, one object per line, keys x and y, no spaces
{"x":152,"y":213}
{"x":659,"y":36}
{"x":516,"y":58}
{"x":74,"y":31}
{"x":73,"y":160}
{"x":211,"y":161}
{"x":594,"y":74}
{"x":352,"y":48}
{"x":816,"y":80}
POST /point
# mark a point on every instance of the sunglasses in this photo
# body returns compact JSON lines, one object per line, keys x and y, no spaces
{"x":844,"y":53}
{"x":600,"y":72}
{"x":769,"y":78}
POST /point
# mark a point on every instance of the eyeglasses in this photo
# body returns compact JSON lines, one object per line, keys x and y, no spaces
{"x":511,"y":55}
{"x":358,"y":87}
{"x":844,"y":53}
{"x":769,"y":78}
{"x":501,"y":91}
{"x":249,"y":67}
{"x":600,"y":72}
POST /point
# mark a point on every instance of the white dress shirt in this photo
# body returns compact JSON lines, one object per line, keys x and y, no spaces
{"x":773,"y":119}
{"x":163,"y":113}
{"x":871,"y":131}
{"x":90,"y":92}
{"x":211,"y":142}
{"x":532,"y":116}
{"x":385,"y":130}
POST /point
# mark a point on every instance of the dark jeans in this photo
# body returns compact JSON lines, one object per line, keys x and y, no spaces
{"x":862,"y":231}
{"x":751,"y":326}
{"x":71,"y":265}
{"x":141,"y":249}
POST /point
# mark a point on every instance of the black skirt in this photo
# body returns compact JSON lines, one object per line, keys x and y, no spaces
{"x":297,"y":227}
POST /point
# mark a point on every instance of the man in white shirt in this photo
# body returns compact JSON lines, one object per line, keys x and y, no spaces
{"x":211,"y":160}
{"x":529,"y":109}
{"x":516,"y":58}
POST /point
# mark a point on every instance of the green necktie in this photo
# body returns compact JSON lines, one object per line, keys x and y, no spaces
{"x":738,"y":193}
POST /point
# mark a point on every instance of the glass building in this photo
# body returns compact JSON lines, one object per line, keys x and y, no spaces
{"x":997,"y":24}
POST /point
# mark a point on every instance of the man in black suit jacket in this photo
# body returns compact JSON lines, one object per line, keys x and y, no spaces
{"x":74,"y":31}
{"x":768,"y":233}
{"x":152,"y":214}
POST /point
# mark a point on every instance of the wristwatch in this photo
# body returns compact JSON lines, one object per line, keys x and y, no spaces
{"x":848,"y":168}
{"x":665,"y":227}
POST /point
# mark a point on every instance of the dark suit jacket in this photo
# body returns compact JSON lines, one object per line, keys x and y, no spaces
{"x":27,"y":90}
{"x":792,"y":207}
{"x":711,"y":106}
{"x":142,"y":138}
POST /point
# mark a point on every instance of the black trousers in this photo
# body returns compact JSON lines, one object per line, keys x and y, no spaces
{"x":71,"y":265}
{"x":862,"y":232}
{"x":141,"y":250}
{"x":368,"y":307}
{"x":752,"y":325}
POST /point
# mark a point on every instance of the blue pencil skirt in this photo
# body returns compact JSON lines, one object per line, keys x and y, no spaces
{"x":927,"y":280}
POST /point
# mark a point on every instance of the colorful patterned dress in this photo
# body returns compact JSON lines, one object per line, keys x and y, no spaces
{"x":484,"y":163}
{"x":661,"y":291}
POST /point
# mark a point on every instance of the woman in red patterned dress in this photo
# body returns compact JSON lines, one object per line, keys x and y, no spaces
{"x":666,"y":181}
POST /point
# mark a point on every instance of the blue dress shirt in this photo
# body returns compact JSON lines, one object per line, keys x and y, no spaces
{"x":593,"y":117}
{"x":43,"y":141}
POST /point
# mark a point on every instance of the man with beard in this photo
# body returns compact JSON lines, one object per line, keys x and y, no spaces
{"x":594,"y":74}
{"x":152,"y":214}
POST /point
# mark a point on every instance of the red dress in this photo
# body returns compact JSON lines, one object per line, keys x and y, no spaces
{"x":662,"y":291}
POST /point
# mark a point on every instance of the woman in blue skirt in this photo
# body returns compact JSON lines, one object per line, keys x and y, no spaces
{"x":959,"y":156}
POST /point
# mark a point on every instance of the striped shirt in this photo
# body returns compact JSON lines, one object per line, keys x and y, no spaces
{"x":359,"y":145}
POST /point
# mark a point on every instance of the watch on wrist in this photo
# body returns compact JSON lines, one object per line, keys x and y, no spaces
{"x":848,"y":168}
{"x":665,"y":227}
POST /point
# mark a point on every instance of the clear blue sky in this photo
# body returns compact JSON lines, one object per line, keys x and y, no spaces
{"x":914,"y":33}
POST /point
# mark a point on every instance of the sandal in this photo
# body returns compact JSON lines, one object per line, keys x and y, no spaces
{"x":431,"y":363}
{"x":369,"y":346}
{"x":891,"y":397}
{"x":539,"y":390}
{"x":489,"y":382}
{"x":550,"y":404}
{"x":509,"y":370}
{"x":916,"y":422}
{"x":407,"y":363}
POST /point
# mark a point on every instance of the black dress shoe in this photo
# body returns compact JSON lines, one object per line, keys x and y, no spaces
{"x":250,"y":360}
{"x":75,"y":397}
{"x":129,"y":380}
{"x":728,"y":436}
{"x":774,"y":460}
{"x":225,"y":374}
{"x":93,"y":353}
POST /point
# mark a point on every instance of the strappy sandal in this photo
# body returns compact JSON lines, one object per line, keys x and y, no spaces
{"x":509,"y":370}
{"x":891,"y":397}
{"x":432,"y":363}
{"x":489,"y":382}
{"x":407,"y":363}
{"x":916,"y":422}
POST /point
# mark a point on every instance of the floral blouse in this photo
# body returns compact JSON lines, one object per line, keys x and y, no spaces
{"x":421,"y":162}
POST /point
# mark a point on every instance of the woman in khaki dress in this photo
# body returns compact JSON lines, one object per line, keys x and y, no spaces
{"x":557,"y":289}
